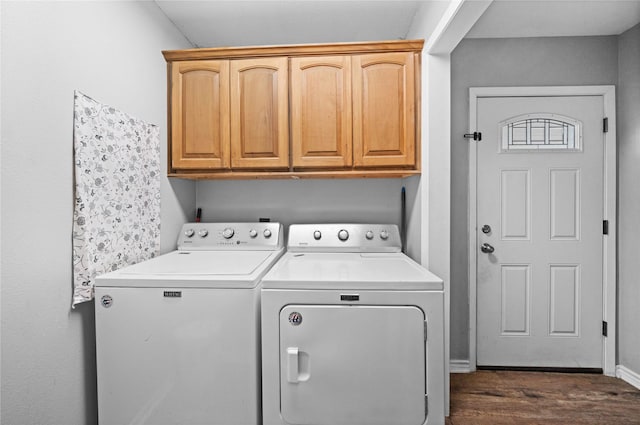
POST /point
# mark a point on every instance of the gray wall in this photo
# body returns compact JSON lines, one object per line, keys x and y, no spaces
{"x":507,"y":62}
{"x":110,"y":51}
{"x":629,"y":199}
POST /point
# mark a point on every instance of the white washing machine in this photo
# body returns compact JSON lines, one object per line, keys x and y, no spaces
{"x":178,"y":336}
{"x":352,"y":331}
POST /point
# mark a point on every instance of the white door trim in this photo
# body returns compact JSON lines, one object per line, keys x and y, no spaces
{"x":609,"y":213}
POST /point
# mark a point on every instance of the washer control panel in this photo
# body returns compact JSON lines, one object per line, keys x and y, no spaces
{"x":231,"y":236}
{"x":344,"y":238}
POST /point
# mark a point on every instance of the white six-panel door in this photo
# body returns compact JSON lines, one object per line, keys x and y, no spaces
{"x":540,"y":211}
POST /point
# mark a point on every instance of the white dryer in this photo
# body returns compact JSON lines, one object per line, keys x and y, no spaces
{"x":352,"y":331}
{"x":178,"y":336}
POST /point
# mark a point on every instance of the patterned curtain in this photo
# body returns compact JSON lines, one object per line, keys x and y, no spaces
{"x":116,"y":217}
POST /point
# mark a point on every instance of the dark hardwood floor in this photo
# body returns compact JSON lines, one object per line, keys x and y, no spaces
{"x":519,"y":398}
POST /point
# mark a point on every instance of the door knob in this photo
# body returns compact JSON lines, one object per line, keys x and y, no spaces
{"x":486,"y":248}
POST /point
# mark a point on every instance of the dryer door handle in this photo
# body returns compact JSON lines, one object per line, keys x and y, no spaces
{"x":293,"y":372}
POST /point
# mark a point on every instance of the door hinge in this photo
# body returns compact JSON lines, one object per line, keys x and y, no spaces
{"x":604,"y":328}
{"x":426,"y":405}
{"x":605,"y":125}
{"x":605,"y":227}
{"x":476,"y":135}
{"x":425,"y":330}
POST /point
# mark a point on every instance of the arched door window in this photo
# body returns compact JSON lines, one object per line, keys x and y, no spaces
{"x":541,"y":132}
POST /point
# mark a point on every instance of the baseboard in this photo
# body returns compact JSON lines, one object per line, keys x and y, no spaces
{"x":628,"y":376}
{"x":459,"y":366}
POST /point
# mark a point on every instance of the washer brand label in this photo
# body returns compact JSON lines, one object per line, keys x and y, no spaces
{"x":173,"y":294}
{"x":295,"y":318}
{"x":106,"y":301}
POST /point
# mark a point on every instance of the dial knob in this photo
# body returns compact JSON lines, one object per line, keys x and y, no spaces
{"x":228,"y":233}
{"x":189,"y":233}
{"x":267,"y":233}
{"x":384,"y":235}
{"x":253,"y":233}
{"x":317,"y":235}
{"x":203,"y":233}
{"x":343,"y":235}
{"x":369,"y":235}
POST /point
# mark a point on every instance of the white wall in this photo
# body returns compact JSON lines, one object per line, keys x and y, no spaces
{"x":301,"y":201}
{"x":629,"y":199}
{"x":110,"y":51}
{"x":507,"y":62}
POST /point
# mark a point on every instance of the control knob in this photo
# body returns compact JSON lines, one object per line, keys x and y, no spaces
{"x":369,"y":235}
{"x":384,"y":235}
{"x":189,"y":233}
{"x":228,"y":233}
{"x":253,"y":233}
{"x":343,"y":235}
{"x":267,"y":233}
{"x":203,"y":233}
{"x":317,"y":235}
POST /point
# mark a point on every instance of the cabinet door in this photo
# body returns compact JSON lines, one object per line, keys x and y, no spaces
{"x":384,"y":110}
{"x":200,"y":114}
{"x":321,"y":112}
{"x":259,"y":113}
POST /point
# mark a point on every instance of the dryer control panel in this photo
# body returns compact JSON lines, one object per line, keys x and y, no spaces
{"x":231,"y":236}
{"x":344,"y":237}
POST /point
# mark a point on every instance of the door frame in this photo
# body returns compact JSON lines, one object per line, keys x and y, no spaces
{"x":610,"y":206}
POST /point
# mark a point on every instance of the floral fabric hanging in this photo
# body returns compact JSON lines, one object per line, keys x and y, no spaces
{"x":116,"y":217}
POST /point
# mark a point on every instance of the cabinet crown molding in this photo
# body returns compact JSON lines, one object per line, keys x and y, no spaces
{"x":294,"y":50}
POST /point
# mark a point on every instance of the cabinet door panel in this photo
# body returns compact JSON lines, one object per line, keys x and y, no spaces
{"x":259,"y":113}
{"x":200,"y":114}
{"x":384,"y":110}
{"x":321,"y":112}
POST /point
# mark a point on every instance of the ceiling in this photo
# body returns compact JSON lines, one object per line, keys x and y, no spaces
{"x":241,"y":23}
{"x":214,"y":23}
{"x":551,"y":18}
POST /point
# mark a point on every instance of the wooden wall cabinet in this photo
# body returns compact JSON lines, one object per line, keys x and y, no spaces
{"x":339,"y":110}
{"x":200,"y":115}
{"x":229,"y":114}
{"x":259,"y":114}
{"x":321,"y":130}
{"x":384,"y":110}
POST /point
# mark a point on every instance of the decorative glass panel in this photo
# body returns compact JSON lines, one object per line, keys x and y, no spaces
{"x":541,"y":132}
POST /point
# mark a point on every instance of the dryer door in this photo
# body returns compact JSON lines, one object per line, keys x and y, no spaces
{"x":348,"y":365}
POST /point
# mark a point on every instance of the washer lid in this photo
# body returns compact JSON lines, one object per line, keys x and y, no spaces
{"x":382,"y":271}
{"x":235,"y":269}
